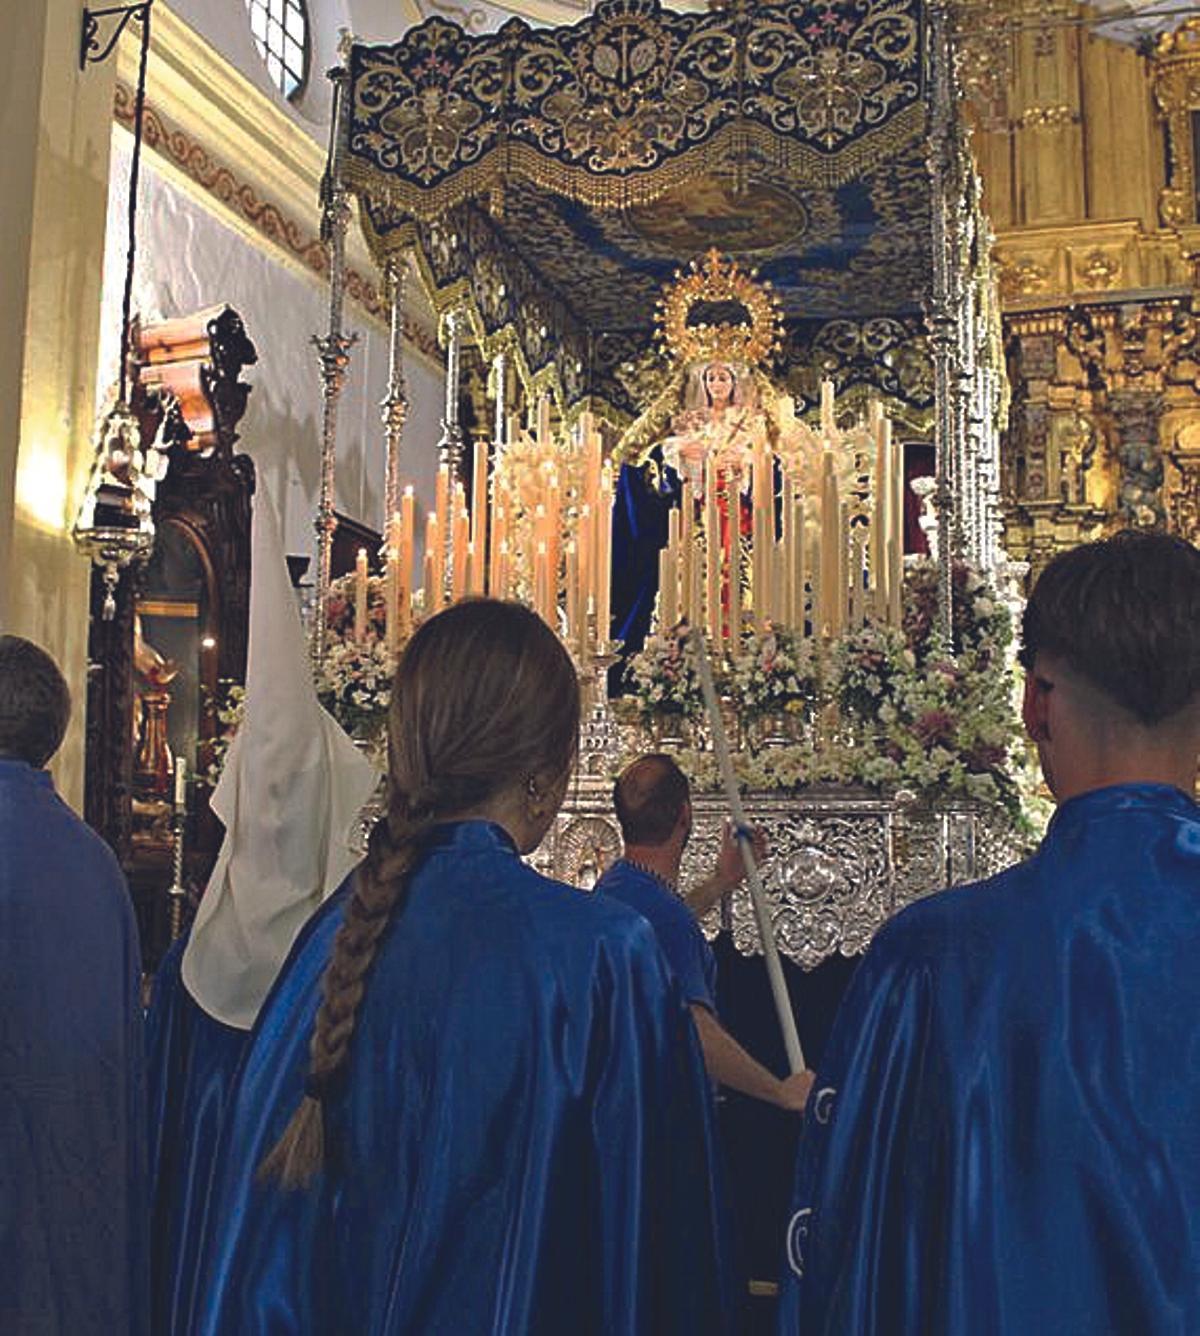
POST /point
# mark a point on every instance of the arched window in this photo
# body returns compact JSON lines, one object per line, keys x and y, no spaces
{"x":280,"y":29}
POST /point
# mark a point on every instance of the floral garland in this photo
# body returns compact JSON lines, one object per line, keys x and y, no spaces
{"x":886,"y":709}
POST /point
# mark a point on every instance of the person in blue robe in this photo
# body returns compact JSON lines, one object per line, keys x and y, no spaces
{"x":652,"y":799}
{"x":1004,"y":1134}
{"x":73,"y":1179}
{"x":474,"y":1101}
{"x":290,"y":795}
{"x":192,"y":1059}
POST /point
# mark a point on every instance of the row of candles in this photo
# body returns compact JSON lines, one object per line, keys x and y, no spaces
{"x":820,"y":563}
{"x":555,"y":551}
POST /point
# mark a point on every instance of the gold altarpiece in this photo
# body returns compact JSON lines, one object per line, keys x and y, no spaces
{"x":1087,"y":149}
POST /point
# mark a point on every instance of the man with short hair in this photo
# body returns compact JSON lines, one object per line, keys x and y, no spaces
{"x":654,"y":810}
{"x":1005,"y":1131}
{"x":73,"y":1191}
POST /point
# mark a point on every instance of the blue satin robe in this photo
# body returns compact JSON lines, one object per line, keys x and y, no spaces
{"x":1004,"y":1135}
{"x":192,"y":1061}
{"x":73,"y":1180}
{"x":522,"y":1143}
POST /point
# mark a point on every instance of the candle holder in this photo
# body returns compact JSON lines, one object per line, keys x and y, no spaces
{"x":177,"y":892}
{"x":598,"y":734}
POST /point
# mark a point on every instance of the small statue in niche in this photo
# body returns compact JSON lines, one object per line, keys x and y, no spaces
{"x":155,"y":674}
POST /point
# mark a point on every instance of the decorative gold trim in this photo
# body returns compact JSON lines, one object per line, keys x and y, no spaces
{"x":194,"y":160}
{"x":508,"y":161}
{"x":1045,"y":266}
{"x":457,"y":296}
{"x":1175,"y":67}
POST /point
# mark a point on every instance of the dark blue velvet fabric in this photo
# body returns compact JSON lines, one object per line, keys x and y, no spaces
{"x":523,"y":1140}
{"x":73,"y":1173}
{"x":639,"y":533}
{"x":1005,"y":1131}
{"x":674,"y":924}
{"x":192,"y":1062}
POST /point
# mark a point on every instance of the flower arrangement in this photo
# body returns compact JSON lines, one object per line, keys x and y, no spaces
{"x":865,"y":666}
{"x":776,"y":673}
{"x":920,"y":719}
{"x":228,"y":707}
{"x":948,"y":728}
{"x":354,"y":683}
{"x":981,"y":620}
{"x":339,"y":610}
{"x":662,"y":679}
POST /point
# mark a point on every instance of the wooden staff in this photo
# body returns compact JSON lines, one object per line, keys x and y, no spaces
{"x":779,"y":992}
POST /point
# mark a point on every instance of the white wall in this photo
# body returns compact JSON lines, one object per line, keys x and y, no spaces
{"x":188,"y":258}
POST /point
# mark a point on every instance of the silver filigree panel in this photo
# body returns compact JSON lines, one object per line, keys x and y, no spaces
{"x":841,"y":861}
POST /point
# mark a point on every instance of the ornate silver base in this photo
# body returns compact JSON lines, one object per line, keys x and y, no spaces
{"x":842,"y":862}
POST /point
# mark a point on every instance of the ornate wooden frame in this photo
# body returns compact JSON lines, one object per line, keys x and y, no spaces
{"x":207,"y":491}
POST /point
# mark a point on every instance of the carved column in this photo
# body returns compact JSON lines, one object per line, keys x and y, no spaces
{"x":1136,"y":353}
{"x":1135,"y":416}
{"x":1055,"y":497}
{"x":1183,"y":500}
{"x":450,"y":447}
{"x":394,"y":407}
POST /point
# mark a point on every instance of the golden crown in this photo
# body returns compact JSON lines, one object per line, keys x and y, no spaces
{"x":717,"y":279}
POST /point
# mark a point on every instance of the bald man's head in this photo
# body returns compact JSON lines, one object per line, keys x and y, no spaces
{"x":650,"y":796}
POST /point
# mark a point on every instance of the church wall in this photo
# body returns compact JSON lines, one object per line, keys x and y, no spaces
{"x":190,"y":257}
{"x":53,"y":186}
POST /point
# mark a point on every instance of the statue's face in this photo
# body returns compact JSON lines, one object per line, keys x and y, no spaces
{"x":718,"y":381}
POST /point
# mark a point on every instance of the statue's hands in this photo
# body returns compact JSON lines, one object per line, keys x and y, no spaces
{"x":794,"y":1091}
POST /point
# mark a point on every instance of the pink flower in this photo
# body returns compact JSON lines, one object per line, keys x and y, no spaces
{"x":932,"y":727}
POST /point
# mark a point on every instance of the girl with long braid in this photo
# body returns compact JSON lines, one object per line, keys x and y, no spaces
{"x":474,"y":1102}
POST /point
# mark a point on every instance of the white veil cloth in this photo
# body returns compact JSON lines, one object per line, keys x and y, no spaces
{"x":291,"y":791}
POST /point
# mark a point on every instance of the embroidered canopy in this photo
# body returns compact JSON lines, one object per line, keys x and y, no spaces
{"x":551,"y":181}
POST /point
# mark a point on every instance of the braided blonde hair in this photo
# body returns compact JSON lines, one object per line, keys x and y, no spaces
{"x":485,"y":696}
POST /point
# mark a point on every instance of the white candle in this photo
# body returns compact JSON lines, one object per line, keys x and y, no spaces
{"x":712,"y":539}
{"x":404,"y":560}
{"x":543,"y":420}
{"x":687,"y":557}
{"x":360,"y":595}
{"x":502,"y":590}
{"x":391,"y":586}
{"x":479,"y":490}
{"x":586,"y":576}
{"x":828,"y":421}
{"x":604,"y":546}
{"x":181,"y":783}
{"x":832,"y":591}
{"x":881,"y":513}
{"x":571,"y":553}
{"x":733,"y":518}
{"x":541,"y":584}
{"x":433,"y":574}
{"x":895,"y":527}
{"x":668,"y":573}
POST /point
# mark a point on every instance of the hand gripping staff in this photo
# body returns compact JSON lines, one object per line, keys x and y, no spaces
{"x":779,"y":992}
